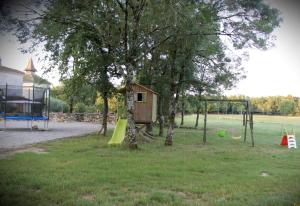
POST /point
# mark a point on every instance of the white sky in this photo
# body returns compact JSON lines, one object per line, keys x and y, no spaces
{"x":272,"y":72}
{"x":276,"y":71}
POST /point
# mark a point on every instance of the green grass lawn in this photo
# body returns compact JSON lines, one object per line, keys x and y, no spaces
{"x":86,"y":171}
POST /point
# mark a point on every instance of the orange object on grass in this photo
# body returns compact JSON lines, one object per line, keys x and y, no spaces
{"x":284,"y":141}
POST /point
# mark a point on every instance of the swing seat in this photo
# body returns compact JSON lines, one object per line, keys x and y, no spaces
{"x":284,"y":141}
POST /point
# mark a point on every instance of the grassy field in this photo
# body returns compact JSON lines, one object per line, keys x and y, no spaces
{"x":226,"y":171}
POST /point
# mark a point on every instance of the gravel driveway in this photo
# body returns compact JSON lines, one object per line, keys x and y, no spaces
{"x":17,"y":136}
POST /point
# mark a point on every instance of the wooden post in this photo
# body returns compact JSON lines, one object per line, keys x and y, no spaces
{"x":244,"y":113}
{"x":205,"y":121}
{"x":251,"y":128}
{"x":246,"y":121}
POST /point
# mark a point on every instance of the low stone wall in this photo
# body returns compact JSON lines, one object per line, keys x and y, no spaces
{"x":80,"y":117}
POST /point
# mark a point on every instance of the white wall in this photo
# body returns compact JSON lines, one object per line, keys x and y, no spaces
{"x":11,"y":78}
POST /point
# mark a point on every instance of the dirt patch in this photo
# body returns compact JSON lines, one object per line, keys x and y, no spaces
{"x":185,"y":195}
{"x":89,"y":197}
{"x":35,"y":150}
{"x":7,"y":153}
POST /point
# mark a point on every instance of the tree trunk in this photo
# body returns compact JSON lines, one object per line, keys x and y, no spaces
{"x":198,"y":108}
{"x":160,"y":116}
{"x":197,"y":118}
{"x":129,"y":59}
{"x":131,"y":131}
{"x":105,"y":113}
{"x":71,"y":105}
{"x":174,"y":94}
{"x":172,"y":114}
{"x":149,"y":129}
{"x":182,"y":108}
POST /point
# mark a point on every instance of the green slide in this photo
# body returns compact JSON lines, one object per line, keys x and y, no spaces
{"x":119,"y":133}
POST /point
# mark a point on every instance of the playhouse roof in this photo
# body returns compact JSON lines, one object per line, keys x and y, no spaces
{"x":123,"y":90}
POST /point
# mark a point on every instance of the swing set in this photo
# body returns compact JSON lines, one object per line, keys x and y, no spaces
{"x":247,"y":118}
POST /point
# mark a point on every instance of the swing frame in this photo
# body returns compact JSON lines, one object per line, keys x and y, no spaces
{"x":247,"y":116}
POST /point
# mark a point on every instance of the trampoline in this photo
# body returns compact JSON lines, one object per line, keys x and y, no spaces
{"x":24,"y":103}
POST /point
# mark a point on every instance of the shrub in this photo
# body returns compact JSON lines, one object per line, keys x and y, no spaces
{"x":80,"y":108}
{"x":91,"y":109}
{"x":112,"y":103}
{"x":57,"y":105}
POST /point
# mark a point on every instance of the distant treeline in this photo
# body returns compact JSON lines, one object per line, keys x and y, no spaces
{"x":272,"y":105}
{"x":288,"y":105}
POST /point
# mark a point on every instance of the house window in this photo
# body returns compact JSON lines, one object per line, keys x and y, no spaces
{"x":141,"y":97}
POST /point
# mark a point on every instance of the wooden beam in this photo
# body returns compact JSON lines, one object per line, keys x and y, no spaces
{"x":246,"y":121}
{"x":205,"y":121}
{"x":251,"y":128}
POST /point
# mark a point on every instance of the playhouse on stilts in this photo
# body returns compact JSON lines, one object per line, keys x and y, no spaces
{"x":145,"y":110}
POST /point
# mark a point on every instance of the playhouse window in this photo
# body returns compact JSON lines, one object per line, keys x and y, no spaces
{"x":141,"y":97}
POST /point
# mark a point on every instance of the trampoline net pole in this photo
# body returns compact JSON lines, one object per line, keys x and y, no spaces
{"x":48,"y":107}
{"x":32,"y":106}
{"x":32,"y":102}
{"x":5,"y":108}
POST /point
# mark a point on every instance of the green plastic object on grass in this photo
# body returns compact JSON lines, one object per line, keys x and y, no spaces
{"x":221,"y":133}
{"x":119,"y":132}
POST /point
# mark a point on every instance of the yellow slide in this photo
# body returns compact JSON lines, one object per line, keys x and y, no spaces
{"x":119,"y":132}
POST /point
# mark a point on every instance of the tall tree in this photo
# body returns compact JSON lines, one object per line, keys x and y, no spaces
{"x":112,"y":37}
{"x":77,"y":37}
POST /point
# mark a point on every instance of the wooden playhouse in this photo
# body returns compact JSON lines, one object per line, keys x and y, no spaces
{"x":145,"y":104}
{"x":145,"y":108}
